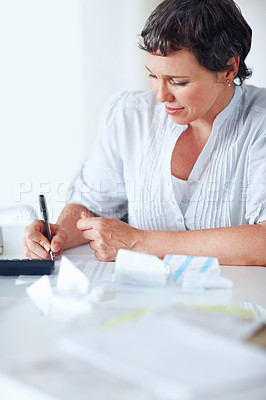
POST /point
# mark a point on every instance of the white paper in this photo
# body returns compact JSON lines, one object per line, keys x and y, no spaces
{"x":168,"y":356}
{"x":140,"y":269}
{"x":71,"y":279}
{"x":191,"y":272}
{"x":70,"y":298}
{"x":41,"y":294}
{"x":95,"y":270}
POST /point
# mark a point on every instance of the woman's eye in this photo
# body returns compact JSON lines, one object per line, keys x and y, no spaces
{"x":179,"y":83}
{"x":152,"y":76}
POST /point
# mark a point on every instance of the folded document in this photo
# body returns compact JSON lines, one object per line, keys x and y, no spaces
{"x":135,"y":268}
{"x":196,"y":272}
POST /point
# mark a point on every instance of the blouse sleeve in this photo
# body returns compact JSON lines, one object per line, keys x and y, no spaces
{"x":256,"y":194}
{"x":99,"y":185}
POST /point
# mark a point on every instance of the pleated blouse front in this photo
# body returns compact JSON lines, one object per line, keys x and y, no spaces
{"x":129,"y":171}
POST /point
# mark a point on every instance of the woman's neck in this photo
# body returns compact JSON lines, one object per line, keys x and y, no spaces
{"x":202,"y":127}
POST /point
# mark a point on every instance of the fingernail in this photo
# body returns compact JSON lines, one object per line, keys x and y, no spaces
{"x":56,"y":247}
{"x":47,"y":248}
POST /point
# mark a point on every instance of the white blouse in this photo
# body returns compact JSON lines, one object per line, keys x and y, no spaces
{"x":180,"y":188}
{"x":129,"y":171}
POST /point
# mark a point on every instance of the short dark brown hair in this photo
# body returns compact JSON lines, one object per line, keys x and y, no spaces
{"x":213,"y":30}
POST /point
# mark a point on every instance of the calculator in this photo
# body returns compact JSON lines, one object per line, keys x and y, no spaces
{"x":24,"y":266}
{"x":1,"y":242}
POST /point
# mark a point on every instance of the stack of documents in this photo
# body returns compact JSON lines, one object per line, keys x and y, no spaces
{"x":168,"y":356}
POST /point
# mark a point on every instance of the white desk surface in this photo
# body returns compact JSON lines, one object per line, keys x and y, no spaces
{"x":32,"y":367}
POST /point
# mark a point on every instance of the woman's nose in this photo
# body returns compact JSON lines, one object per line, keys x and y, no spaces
{"x":163,"y":94}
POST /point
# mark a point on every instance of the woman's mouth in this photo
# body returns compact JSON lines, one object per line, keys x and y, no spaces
{"x":172,"y":111}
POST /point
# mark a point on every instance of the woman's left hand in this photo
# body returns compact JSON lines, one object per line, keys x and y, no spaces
{"x":107,"y":235}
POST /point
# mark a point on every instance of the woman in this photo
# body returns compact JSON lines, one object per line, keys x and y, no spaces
{"x":185,"y":162}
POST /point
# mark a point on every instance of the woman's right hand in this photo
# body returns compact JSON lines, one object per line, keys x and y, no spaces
{"x":35,"y":243}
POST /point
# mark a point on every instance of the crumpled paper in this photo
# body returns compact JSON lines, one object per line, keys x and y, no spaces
{"x":71,"y":297}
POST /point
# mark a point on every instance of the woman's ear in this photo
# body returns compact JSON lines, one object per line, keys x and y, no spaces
{"x":232,"y":72}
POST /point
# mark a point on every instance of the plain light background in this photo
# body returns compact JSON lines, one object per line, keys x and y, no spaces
{"x":60,"y":60}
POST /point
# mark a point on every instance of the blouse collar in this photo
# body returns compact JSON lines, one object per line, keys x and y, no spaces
{"x":228,"y":110}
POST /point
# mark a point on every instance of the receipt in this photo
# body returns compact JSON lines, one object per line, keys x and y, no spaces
{"x":196,"y":272}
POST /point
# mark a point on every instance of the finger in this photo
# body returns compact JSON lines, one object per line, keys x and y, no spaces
{"x":58,"y":241}
{"x":36,"y":233}
{"x":89,"y":222}
{"x":84,"y":215}
{"x":37,"y":237}
{"x":37,"y":225}
{"x":90,"y":234}
{"x":34,"y":250}
{"x":37,"y":244}
{"x":26,"y":250}
{"x":99,"y":246}
{"x":83,"y":224}
{"x":106,"y":256}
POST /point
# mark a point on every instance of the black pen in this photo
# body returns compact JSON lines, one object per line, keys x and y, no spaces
{"x":44,"y":213}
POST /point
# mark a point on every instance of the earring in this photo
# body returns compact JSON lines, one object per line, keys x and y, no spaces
{"x":228,"y":82}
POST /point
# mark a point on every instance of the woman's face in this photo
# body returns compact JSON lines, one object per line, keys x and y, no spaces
{"x":188,"y":91}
